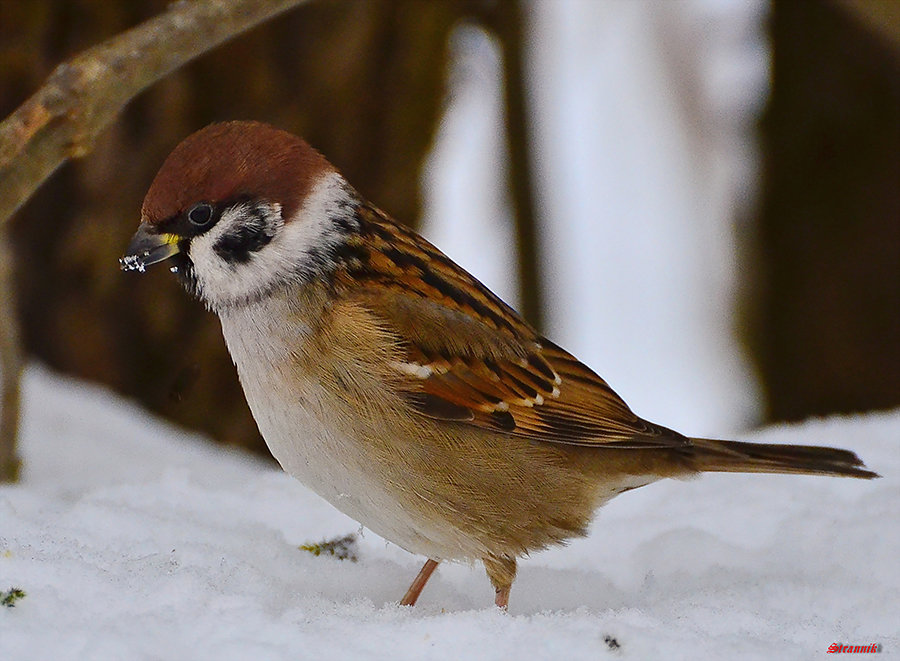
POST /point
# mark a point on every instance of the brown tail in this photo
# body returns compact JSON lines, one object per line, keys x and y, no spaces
{"x":737,"y":457}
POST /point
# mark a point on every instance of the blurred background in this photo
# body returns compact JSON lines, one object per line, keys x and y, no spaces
{"x":700,"y":199}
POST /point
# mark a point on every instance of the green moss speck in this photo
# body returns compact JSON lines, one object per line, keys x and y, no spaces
{"x":342,"y":548}
{"x":11,"y":596}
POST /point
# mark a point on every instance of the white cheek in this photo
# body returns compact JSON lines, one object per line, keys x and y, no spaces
{"x":219,"y":280}
{"x":285,"y":259}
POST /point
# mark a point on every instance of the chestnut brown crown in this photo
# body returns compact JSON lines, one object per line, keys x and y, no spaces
{"x":234,"y":159}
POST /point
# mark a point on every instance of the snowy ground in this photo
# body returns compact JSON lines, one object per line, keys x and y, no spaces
{"x":136,"y":540}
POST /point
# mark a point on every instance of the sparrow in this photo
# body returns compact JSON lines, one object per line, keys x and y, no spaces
{"x":390,"y":381}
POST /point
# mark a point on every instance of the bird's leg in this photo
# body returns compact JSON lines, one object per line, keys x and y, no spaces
{"x":502,"y":572}
{"x":409,"y":599}
{"x":501,"y":598}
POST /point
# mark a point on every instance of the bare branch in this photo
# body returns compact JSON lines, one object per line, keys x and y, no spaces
{"x":83,"y":96}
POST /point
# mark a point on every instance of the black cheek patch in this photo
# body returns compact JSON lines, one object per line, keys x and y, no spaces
{"x":236,"y":246}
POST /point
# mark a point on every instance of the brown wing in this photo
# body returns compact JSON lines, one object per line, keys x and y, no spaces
{"x":466,"y":356}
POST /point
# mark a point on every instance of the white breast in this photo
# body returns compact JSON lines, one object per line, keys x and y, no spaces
{"x":293,"y":413}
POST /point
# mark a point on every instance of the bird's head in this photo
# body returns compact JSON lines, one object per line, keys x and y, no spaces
{"x":239,"y":209}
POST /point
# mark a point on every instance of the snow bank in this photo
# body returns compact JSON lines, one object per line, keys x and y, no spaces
{"x":136,"y":540}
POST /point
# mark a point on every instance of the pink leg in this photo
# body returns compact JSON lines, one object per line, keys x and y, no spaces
{"x":502,"y":572}
{"x":501,"y":598}
{"x":409,"y":599}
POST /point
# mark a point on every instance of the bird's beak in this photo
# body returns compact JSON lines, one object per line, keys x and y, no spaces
{"x":148,"y":247}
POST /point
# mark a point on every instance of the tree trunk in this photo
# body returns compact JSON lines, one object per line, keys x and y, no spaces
{"x":829,"y":318}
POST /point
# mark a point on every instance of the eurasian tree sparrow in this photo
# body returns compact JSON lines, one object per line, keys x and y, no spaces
{"x":392,"y":382}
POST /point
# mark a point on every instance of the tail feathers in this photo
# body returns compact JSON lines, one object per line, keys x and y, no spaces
{"x":737,"y":457}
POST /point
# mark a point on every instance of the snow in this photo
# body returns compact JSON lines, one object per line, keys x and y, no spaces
{"x":137,"y":540}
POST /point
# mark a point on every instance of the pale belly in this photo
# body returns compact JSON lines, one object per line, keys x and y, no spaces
{"x":293,"y":418}
{"x":334,"y":466}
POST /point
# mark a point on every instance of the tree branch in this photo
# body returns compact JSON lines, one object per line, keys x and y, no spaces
{"x":83,"y":96}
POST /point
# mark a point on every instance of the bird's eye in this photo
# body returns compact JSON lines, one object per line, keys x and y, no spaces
{"x":200,"y":214}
